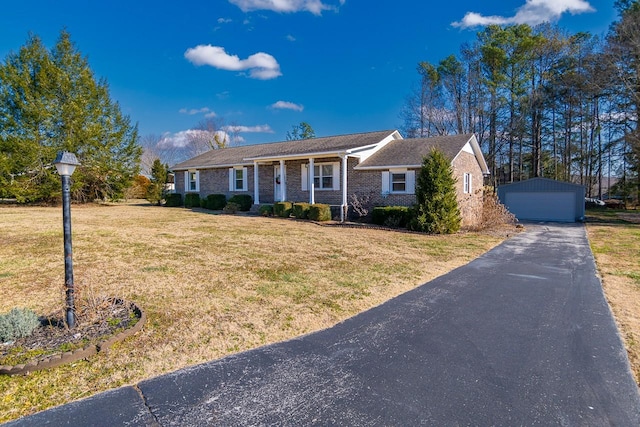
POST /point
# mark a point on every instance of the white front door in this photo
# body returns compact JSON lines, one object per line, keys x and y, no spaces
{"x":278,"y":182}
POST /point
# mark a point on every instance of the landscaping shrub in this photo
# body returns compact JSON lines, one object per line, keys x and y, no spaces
{"x":391,"y":216}
{"x":18,"y":323}
{"x":173,"y":200}
{"x":320,"y":212}
{"x":203,"y":203}
{"x":216,"y":202}
{"x":301,"y":210}
{"x":282,"y":209}
{"x":436,"y":209}
{"x":231,"y":208}
{"x":266,"y":210}
{"x":192,"y":200}
{"x":244,"y":201}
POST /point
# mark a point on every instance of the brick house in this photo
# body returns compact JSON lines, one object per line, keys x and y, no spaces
{"x":381,"y":165}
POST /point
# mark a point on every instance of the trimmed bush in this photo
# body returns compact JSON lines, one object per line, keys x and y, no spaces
{"x":216,"y":202}
{"x":173,"y":200}
{"x":266,"y":210}
{"x":320,"y":212}
{"x":18,"y":323}
{"x":231,"y":208}
{"x":282,"y":209}
{"x":436,"y":209}
{"x":391,"y":216}
{"x":244,"y":201}
{"x":192,"y":200}
{"x":203,"y":203}
{"x":301,"y":210}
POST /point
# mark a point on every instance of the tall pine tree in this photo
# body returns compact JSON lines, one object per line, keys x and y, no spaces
{"x":156,"y":190}
{"x":51,"y":101}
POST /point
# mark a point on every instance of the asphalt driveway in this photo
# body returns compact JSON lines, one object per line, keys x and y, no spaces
{"x":520,"y":336}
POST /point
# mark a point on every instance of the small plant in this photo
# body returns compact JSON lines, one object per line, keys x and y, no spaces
{"x":266,"y":210}
{"x":244,"y":201}
{"x":192,"y":200}
{"x":231,"y":208}
{"x":282,"y":209}
{"x":18,"y":323}
{"x":320,"y":212}
{"x":216,"y":202}
{"x":173,"y":200}
{"x":301,"y":210}
{"x":361,"y":204}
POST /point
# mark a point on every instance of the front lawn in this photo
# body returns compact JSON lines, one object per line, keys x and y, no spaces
{"x":614,"y":236}
{"x":211,"y":285}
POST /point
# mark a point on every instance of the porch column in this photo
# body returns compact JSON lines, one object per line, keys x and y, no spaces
{"x":312,"y":196}
{"x":343,"y":207}
{"x":256,"y":185}
{"x":283,"y":183}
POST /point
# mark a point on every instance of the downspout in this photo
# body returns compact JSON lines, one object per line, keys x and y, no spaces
{"x":343,"y":207}
{"x":256,"y":185}
{"x":312,"y":196}
{"x":283,"y":183}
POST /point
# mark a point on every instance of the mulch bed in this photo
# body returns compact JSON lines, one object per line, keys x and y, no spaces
{"x":52,"y":343}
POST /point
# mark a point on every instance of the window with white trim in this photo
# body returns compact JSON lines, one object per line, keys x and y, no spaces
{"x":326,"y":176}
{"x":192,"y":181}
{"x":323,"y":176}
{"x":468,"y":178}
{"x":238,"y":179}
{"x":399,"y":181}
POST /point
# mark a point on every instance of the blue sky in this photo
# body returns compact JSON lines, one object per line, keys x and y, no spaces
{"x":343,"y":66}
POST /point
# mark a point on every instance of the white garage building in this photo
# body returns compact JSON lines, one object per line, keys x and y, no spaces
{"x":542,"y":199}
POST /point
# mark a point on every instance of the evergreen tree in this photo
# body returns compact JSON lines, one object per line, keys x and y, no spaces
{"x":50,"y":101}
{"x":156,"y":190}
{"x":301,"y":131}
{"x":436,"y":209}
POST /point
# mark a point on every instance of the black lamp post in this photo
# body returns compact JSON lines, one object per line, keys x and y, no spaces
{"x":66,"y":163}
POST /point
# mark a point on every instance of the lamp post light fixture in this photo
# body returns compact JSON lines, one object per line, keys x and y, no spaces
{"x":66,"y":163}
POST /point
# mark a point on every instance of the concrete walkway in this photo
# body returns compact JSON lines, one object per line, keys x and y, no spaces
{"x":520,"y":336}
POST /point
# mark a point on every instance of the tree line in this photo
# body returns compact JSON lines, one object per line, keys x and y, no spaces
{"x":543,"y":103}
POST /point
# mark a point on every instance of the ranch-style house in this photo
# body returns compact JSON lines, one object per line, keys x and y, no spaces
{"x":380,"y":165}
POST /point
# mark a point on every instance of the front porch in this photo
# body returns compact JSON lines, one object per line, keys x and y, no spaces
{"x":311,"y":180}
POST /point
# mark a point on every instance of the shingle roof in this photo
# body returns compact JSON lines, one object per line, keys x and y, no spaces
{"x":246,"y":154}
{"x":409,"y":152}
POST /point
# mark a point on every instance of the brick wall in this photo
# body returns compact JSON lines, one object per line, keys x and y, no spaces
{"x":470,"y":204}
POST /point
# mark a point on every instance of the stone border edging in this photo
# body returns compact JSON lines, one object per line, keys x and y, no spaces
{"x":80,"y":353}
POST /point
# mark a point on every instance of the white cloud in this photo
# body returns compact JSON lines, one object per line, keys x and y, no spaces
{"x":286,"y":6}
{"x":285,"y":105}
{"x":533,"y":12}
{"x":249,"y":129}
{"x":290,"y":38}
{"x":194,"y":111}
{"x":224,"y":20}
{"x":184,"y":138}
{"x":260,"y":65}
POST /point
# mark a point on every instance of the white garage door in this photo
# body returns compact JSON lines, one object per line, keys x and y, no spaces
{"x":542,"y":206}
